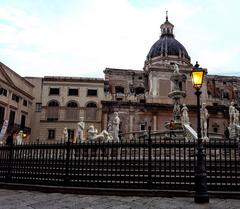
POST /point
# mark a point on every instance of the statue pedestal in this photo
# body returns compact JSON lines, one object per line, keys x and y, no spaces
{"x":232,"y":131}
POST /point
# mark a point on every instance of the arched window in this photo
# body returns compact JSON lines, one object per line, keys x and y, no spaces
{"x":52,"y":110}
{"x":91,"y":111}
{"x":53,"y":104}
{"x":72,"y":112}
{"x":72,"y":104}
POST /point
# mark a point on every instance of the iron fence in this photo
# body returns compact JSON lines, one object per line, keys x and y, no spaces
{"x":148,"y":162}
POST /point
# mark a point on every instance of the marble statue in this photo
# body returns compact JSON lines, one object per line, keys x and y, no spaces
{"x":109,"y":127}
{"x":231,"y":113}
{"x":80,"y":129}
{"x":236,"y":117}
{"x":115,"y":123}
{"x":177,"y":111}
{"x":185,"y":117}
{"x":103,"y":136}
{"x":176,"y":69}
{"x":204,"y":117}
{"x":19,"y":137}
{"x":65,"y":134}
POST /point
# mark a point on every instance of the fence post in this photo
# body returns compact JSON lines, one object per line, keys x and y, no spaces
{"x":66,"y":179}
{"x":9,"y":166}
{"x":149,"y":157}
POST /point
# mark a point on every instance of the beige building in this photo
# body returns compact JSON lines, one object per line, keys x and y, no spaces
{"x":61,"y":101}
{"x":16,"y":98}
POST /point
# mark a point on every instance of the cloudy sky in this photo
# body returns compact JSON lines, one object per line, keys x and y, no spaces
{"x":83,"y":37}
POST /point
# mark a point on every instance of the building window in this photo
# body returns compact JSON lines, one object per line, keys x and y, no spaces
{"x":91,"y":111}
{"x":23,"y":121}
{"x":11,"y":118}
{"x":25,"y":103}
{"x":72,"y":92}
{"x":38,"y":107}
{"x":119,"y":90}
{"x":180,"y":86}
{"x":3,"y":91}
{"x":92,"y":92}
{"x":72,"y":112}
{"x":15,"y":98}
{"x":142,"y":126}
{"x":2,"y":112}
{"x":52,"y":110}
{"x":139,"y":90}
{"x":215,"y":127}
{"x":225,"y":95}
{"x":51,"y":133}
{"x":54,"y":91}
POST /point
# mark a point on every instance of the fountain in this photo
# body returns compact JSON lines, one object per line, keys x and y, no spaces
{"x":176,"y":95}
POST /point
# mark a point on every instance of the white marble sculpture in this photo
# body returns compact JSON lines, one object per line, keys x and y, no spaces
{"x":231,"y":113}
{"x":19,"y":137}
{"x":80,"y":129}
{"x":109,"y":127}
{"x":103,"y":136}
{"x":176,"y":69}
{"x":204,"y":117}
{"x":65,"y":134}
{"x":115,"y":123}
{"x":236,"y":117}
{"x":185,"y":117}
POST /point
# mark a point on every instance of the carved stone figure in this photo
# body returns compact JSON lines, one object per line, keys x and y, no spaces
{"x":185,"y":117}
{"x":80,"y":129}
{"x":65,"y":134}
{"x":176,"y":69}
{"x":231,"y":113}
{"x":116,"y":122}
{"x":93,"y":135}
{"x":204,"y":117}
{"x":177,"y":111}
{"x":236,"y":117}
{"x":19,"y":137}
{"x":109,"y":127}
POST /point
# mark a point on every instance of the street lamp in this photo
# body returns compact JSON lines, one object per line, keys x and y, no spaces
{"x":201,"y":193}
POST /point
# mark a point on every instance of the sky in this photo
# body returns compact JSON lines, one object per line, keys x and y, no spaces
{"x":83,"y":37}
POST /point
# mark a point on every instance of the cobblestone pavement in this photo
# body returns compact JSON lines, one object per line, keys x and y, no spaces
{"x":12,"y":199}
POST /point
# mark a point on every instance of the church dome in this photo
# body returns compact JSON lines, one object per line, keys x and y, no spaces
{"x":167,"y":44}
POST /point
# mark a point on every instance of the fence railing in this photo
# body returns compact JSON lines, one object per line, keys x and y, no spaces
{"x":148,"y":162}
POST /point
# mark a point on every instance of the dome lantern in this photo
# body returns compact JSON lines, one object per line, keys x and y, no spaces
{"x":167,"y":27}
{"x":167,"y":45}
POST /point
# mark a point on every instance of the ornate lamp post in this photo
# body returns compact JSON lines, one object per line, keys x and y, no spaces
{"x":201,"y":193}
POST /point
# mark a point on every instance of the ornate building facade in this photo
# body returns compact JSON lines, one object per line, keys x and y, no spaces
{"x":141,"y":97}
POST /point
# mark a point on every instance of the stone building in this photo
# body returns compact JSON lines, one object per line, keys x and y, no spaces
{"x":61,"y":101}
{"x":46,"y":105}
{"x":141,"y":96}
{"x":16,"y":100}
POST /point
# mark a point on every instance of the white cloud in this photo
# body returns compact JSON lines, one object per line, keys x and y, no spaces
{"x":101,"y":34}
